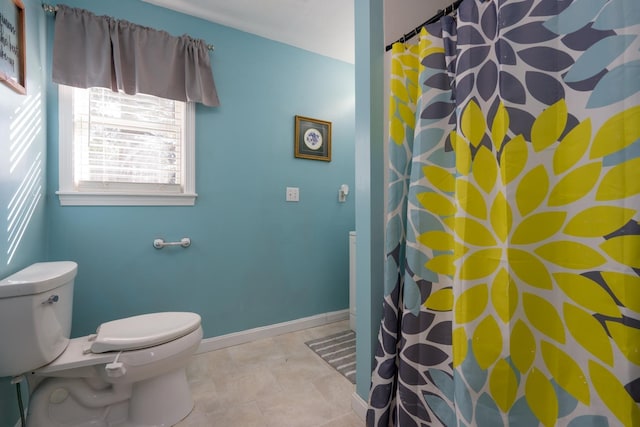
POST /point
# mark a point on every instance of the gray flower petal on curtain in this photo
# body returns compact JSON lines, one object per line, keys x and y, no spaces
{"x":586,"y":37}
{"x":544,"y":88}
{"x":546,"y":58}
{"x":511,"y":14}
{"x":511,"y":89}
{"x":534,"y":32}
{"x":550,"y":7}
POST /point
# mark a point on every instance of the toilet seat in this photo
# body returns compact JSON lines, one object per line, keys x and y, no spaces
{"x":147,"y":330}
{"x":77,"y":356}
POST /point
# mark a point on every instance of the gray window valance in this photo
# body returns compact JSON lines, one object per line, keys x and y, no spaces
{"x":100,"y":51}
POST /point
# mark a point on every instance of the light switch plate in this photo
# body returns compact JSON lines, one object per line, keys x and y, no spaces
{"x":293,"y":194}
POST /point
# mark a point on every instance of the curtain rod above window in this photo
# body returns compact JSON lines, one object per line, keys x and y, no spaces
{"x":49,"y":8}
{"x":446,"y":11}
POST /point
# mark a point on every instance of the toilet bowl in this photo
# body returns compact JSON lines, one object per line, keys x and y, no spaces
{"x":130,"y":373}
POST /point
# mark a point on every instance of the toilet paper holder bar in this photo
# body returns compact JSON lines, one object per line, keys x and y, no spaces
{"x":185,"y":242}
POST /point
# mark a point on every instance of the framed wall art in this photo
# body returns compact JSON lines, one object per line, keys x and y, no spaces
{"x":12,"y":45}
{"x":312,"y":139}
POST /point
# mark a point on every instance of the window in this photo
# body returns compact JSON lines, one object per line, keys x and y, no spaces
{"x":118,"y":149}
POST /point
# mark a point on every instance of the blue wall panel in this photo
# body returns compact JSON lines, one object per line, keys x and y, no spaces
{"x":255,"y":260}
{"x":23,"y":161}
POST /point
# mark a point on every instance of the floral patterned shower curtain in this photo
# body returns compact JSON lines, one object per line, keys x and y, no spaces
{"x":513,"y":236}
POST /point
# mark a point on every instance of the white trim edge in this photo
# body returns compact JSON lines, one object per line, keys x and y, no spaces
{"x":236,"y":338}
{"x":78,"y":198}
{"x":359,"y":406}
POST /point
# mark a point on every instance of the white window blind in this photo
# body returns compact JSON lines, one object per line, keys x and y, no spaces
{"x":121,"y":138}
{"x":130,"y":145}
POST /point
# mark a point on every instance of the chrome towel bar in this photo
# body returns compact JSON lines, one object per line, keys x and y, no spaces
{"x":185,"y":242}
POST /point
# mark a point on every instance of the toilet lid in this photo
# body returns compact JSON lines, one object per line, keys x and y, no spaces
{"x":147,"y":330}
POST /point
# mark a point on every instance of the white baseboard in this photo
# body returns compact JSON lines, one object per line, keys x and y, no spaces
{"x":223,"y":341}
{"x":359,"y":406}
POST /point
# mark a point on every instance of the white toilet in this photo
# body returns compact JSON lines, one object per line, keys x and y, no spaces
{"x":130,"y":373}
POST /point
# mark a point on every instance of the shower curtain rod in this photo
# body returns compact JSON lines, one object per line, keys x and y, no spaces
{"x":49,"y":8}
{"x":444,"y":12}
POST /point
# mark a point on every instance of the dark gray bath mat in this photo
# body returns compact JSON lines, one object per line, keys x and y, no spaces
{"x":339,"y":351}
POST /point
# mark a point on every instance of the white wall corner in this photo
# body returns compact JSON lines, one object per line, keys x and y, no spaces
{"x":359,"y":406}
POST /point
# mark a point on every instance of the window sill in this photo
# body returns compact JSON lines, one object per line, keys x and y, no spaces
{"x":124,"y":199}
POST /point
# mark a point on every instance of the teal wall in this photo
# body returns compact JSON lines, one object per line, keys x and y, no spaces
{"x":255,"y":259}
{"x":23,"y":160}
{"x":369,"y":185}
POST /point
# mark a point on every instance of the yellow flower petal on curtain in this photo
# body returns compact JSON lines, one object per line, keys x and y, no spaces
{"x":436,"y":203}
{"x":441,"y":300}
{"x":572,"y":147}
{"x":625,"y":287}
{"x":396,"y":131}
{"x":522,"y":346}
{"x":440,"y":178}
{"x":437,"y":240}
{"x":588,"y":332}
{"x":529,"y":269}
{"x":624,"y":249}
{"x":396,"y":67}
{"x":627,"y":339}
{"x":532,"y":190}
{"x":459,"y":250}
{"x":620,"y":182}
{"x":471,"y":304}
{"x":411,"y":76}
{"x":500,"y":126}
{"x":463,"y":153}
{"x":575,"y":185}
{"x":485,"y":169}
{"x":460,"y":345}
{"x":501,"y":217}
{"x":392,"y":107}
{"x":473,"y":124}
{"x":404,"y":58}
{"x":487,"y":342}
{"x":617,"y":133}
{"x":503,"y":385}
{"x":599,"y":221}
{"x":442,"y":264}
{"x":471,"y":199}
{"x":504,"y":295}
{"x":570,"y":255}
{"x":514,"y":158}
{"x":538,"y":227}
{"x":543,"y":316}
{"x":549,"y":125}
{"x":614,"y":395}
{"x":431,"y":51}
{"x":587,"y":293}
{"x":399,"y":90}
{"x":566,"y":372}
{"x":471,"y":231}
{"x":408,"y":115}
{"x":480,"y":264}
{"x":541,"y":398}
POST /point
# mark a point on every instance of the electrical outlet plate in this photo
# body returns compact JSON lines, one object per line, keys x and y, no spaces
{"x":293,"y":194}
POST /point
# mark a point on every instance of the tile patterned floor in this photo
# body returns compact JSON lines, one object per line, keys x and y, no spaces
{"x":272,"y":382}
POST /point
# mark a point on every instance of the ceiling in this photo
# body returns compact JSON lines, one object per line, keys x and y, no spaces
{"x":325,"y":27}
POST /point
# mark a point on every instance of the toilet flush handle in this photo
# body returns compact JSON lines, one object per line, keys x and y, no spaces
{"x":52,"y":299}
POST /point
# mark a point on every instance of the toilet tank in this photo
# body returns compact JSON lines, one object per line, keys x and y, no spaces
{"x":35,"y":315}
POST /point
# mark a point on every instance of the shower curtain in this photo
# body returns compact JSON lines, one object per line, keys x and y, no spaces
{"x":513,"y":238}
